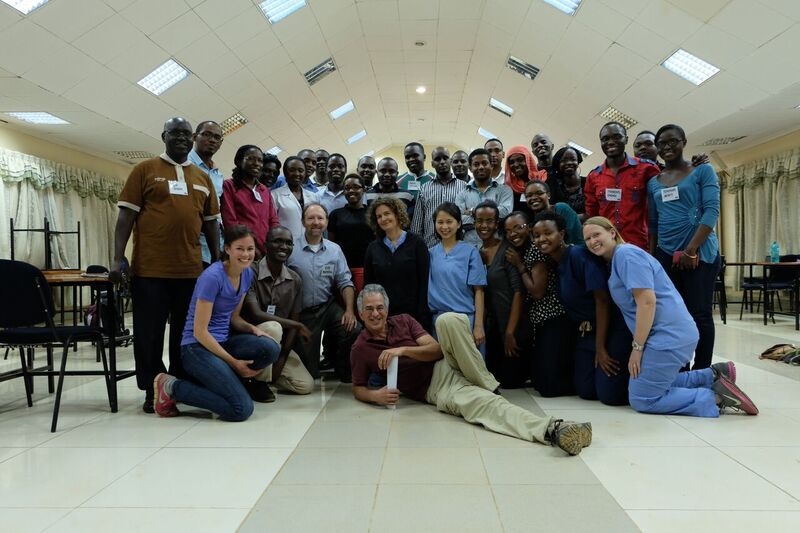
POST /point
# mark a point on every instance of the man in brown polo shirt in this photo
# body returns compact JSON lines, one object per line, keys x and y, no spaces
{"x":165,"y":202}
{"x":274,"y":303}
{"x":449,"y":374}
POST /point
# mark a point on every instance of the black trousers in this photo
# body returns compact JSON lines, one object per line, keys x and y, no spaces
{"x":156,"y":300}
{"x":328,"y":318}
{"x":553,"y":362}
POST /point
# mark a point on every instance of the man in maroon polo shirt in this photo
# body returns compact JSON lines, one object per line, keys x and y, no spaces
{"x":449,"y":374}
{"x":617,"y":189}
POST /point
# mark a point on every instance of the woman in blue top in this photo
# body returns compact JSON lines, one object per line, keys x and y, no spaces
{"x":602,"y":342}
{"x":218,"y":362}
{"x":664,"y":335}
{"x":457,"y":276}
{"x":683,"y":208}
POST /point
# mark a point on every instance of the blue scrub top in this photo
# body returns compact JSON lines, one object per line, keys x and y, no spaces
{"x":580,"y":272}
{"x":633,"y":268}
{"x":452,"y":277}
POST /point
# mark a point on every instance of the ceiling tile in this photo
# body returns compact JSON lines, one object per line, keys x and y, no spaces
{"x":9,"y":16}
{"x":717,"y":47}
{"x":139,"y":60}
{"x":150,"y":15}
{"x":307,"y":51}
{"x":301,"y":22}
{"x":701,"y":10}
{"x":378,"y":10}
{"x":265,"y":68}
{"x":790,"y":8}
{"x":62,"y":70}
{"x":192,"y":29}
{"x":213,"y":72}
{"x":603,"y":19}
{"x":202,"y":52}
{"x":774,"y":66}
{"x":723,"y":95}
{"x":69,"y":23}
{"x":418,"y":9}
{"x":668,"y":21}
{"x":460,"y":9}
{"x":39,"y":43}
{"x":645,"y":43}
{"x":257,"y":47}
{"x":216,"y":13}
{"x":752,"y":22}
{"x":107,"y":40}
{"x":507,"y":15}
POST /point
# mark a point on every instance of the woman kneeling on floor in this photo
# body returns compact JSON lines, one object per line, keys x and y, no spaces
{"x":218,"y":362}
{"x":664,"y":335}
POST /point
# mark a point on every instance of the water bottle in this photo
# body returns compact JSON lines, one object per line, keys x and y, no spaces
{"x":775,"y":252}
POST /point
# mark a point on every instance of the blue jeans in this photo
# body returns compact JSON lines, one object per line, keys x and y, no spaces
{"x":696,"y":287}
{"x":219,"y":389}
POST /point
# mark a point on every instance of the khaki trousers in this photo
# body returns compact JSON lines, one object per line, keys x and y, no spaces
{"x":462,"y":386}
{"x":294,"y":378}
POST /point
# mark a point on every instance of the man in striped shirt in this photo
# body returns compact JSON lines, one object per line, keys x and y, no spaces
{"x":445,"y":187}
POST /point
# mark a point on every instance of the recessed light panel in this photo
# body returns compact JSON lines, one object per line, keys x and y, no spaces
{"x":612,"y":113}
{"x":369,"y":154}
{"x":567,"y":6}
{"x":275,"y":150}
{"x":500,"y":106}
{"x":134,"y":154}
{"x":25,"y":6}
{"x":357,"y":137}
{"x":486,"y":134}
{"x":276,"y":10}
{"x":581,"y":149}
{"x":320,"y":71}
{"x":689,"y":67}
{"x":521,"y":67}
{"x":421,"y":89}
{"x":164,"y":77}
{"x":719,"y":141}
{"x":232,"y":123}
{"x":342,"y":110}
{"x":37,"y":117}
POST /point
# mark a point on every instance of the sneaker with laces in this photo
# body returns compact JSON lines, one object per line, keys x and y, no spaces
{"x":162,"y":402}
{"x":727,"y":369}
{"x":730,"y":395}
{"x":570,"y":436}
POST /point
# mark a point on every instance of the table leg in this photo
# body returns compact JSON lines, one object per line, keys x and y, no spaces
{"x":765,"y":273}
{"x":112,"y":349}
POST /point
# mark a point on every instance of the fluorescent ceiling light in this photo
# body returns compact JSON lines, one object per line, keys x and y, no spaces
{"x":357,"y":137}
{"x":275,"y":150}
{"x":37,"y":117}
{"x":232,"y":123}
{"x":320,"y":71}
{"x":567,"y":6}
{"x":164,"y":77}
{"x":369,"y":154}
{"x":689,"y":67}
{"x":342,"y":110}
{"x":276,"y":10}
{"x":581,"y":149}
{"x":486,"y":134}
{"x":134,"y":154}
{"x":614,"y":114}
{"x":521,"y":67}
{"x":25,"y":6}
{"x":421,"y":89}
{"x":500,"y":106}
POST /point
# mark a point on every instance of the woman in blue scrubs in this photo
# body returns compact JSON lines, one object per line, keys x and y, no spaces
{"x":664,"y":335}
{"x":457,"y":276}
{"x":602,"y":344}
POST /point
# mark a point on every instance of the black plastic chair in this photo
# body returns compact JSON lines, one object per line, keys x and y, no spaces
{"x":28,"y":303}
{"x":720,"y":296}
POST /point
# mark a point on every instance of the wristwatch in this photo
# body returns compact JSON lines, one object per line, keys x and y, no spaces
{"x":637,"y":347}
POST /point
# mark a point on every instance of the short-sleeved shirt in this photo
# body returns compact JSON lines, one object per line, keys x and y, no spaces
{"x":548,"y":306}
{"x":470,"y":197}
{"x":629,"y":213}
{"x":284,"y":292}
{"x":330,"y":200}
{"x":580,"y":273}
{"x":633,"y":268}
{"x":290,"y":212}
{"x":675,"y":221}
{"x":250,"y":207}
{"x":431,"y":196}
{"x":216,"y":177}
{"x":322,"y":271}
{"x":214,"y":286}
{"x":166,"y":236}
{"x":404,"y":181}
{"x":452,"y":277}
{"x":413,"y":377}
{"x":348,"y":228}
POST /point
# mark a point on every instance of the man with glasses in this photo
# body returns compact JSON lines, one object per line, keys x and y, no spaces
{"x":165,"y":202}
{"x":207,"y":141}
{"x":617,"y":189}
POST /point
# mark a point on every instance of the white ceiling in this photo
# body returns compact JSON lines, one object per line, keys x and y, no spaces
{"x":81,"y":59}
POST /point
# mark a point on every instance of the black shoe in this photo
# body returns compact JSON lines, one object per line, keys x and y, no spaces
{"x":325,"y":366}
{"x":259,"y":391}
{"x":147,"y":406}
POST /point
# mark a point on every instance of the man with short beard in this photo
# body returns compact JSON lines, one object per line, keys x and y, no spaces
{"x":387,"y":186}
{"x":443,"y":188}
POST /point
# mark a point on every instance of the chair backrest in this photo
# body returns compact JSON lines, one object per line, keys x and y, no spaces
{"x":20,"y":295}
{"x":785,"y":274}
{"x":96,"y":269}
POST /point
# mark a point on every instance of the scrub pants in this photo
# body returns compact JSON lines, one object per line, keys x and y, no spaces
{"x":462,"y":386}
{"x":294,"y":376}
{"x":591,"y":383}
{"x":660,"y":387}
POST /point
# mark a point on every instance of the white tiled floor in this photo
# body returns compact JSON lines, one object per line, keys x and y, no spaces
{"x":325,"y":462}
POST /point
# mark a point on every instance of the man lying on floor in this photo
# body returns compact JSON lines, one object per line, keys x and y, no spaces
{"x":449,"y":374}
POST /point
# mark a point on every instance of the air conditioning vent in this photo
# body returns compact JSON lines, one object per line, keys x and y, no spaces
{"x":521,"y":67}
{"x":719,"y":141}
{"x":616,"y":115}
{"x":133,"y":155}
{"x":320,"y":71}
{"x":233,"y":123}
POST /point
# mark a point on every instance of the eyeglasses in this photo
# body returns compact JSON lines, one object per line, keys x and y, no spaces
{"x":180,"y":134}
{"x":209,"y":135}
{"x":254,"y":158}
{"x":351,"y":188}
{"x":672,"y":143}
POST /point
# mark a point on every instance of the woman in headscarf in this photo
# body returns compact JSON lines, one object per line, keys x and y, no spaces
{"x":520,"y":169}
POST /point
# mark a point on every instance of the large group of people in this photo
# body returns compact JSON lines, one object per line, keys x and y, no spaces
{"x":503,"y":269}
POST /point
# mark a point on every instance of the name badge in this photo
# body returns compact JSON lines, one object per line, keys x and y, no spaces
{"x":614,"y":195}
{"x":522,"y":198}
{"x":257,"y":195}
{"x":669,"y":194}
{"x":270,"y":309}
{"x":178,"y":187}
{"x":327,"y":270}
{"x":413,"y":185}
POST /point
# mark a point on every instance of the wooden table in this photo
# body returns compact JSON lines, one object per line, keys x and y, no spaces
{"x":78,"y":279}
{"x":766,"y":267}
